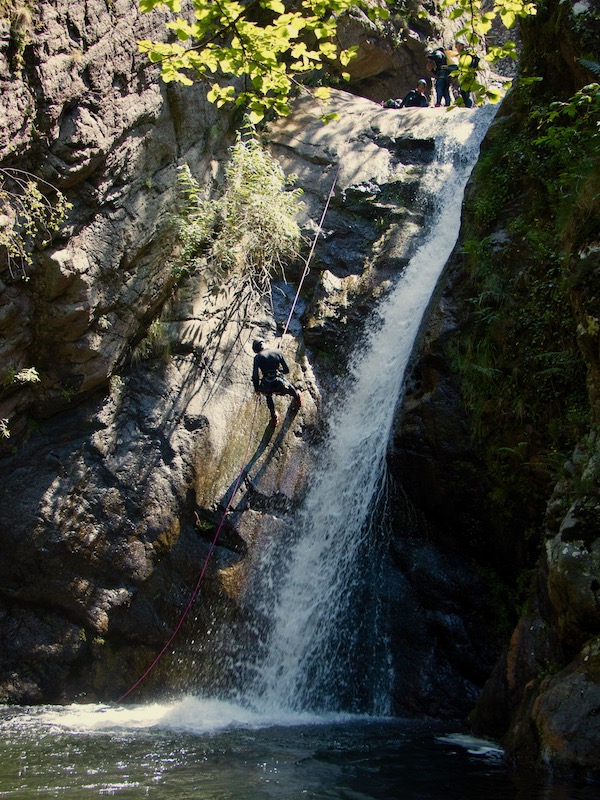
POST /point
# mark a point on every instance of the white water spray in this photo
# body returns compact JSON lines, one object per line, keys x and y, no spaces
{"x":309,"y":587}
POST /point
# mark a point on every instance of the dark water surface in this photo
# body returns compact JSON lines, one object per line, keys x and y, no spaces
{"x":203,"y":750}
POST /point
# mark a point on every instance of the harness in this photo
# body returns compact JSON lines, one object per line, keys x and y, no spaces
{"x":274,"y":382}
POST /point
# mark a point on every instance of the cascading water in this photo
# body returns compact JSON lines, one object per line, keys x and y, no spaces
{"x":321,"y":646}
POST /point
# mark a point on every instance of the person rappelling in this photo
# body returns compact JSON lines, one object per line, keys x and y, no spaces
{"x":268,"y":377}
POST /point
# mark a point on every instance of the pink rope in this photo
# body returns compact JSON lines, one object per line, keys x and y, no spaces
{"x":202,"y":572}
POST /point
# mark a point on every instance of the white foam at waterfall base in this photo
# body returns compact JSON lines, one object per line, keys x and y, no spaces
{"x":304,"y":584}
{"x":189,"y":714}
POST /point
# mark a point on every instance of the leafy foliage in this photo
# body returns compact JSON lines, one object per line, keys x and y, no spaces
{"x":523,"y":376}
{"x":27,"y":217}
{"x":270,"y":46}
{"x":155,"y":344}
{"x":14,"y":377}
{"x":262,"y":42}
{"x":554,"y":124}
{"x":251,"y":230}
{"x":477,"y":18}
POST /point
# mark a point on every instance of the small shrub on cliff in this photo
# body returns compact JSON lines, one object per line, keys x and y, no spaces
{"x":155,"y":344}
{"x":27,"y":217}
{"x":250,"y":231}
{"x":18,"y":15}
{"x":11,"y":377}
{"x":4,"y":429}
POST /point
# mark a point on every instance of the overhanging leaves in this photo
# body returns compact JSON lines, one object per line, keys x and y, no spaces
{"x":260,"y":42}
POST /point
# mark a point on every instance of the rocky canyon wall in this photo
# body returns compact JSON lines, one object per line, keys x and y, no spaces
{"x":122,"y":459}
{"x":83,"y":110}
{"x":506,"y":388}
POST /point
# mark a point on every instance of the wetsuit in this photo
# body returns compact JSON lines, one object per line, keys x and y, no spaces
{"x":442,"y":70}
{"x":414,"y":99}
{"x":272,"y":365}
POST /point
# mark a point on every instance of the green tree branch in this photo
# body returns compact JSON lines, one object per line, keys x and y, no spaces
{"x":27,"y":216}
{"x":271,"y":44}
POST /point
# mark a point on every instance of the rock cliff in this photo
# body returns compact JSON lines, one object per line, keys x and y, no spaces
{"x":508,"y":390}
{"x":83,"y":110}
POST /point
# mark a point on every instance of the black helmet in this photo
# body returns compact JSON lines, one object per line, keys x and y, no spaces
{"x":257,"y":345}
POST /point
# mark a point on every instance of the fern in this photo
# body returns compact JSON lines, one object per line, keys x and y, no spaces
{"x":592,"y":66}
{"x":249,"y":232}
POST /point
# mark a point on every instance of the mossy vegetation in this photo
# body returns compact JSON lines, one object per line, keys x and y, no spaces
{"x":530,"y":226}
{"x":28,"y":219}
{"x":10,"y":378}
{"x":18,"y":14}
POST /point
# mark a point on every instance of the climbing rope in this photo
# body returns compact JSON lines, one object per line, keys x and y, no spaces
{"x":204,"y":566}
{"x":312,"y":250}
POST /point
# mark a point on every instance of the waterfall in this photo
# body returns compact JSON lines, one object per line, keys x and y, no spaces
{"x":317,"y":640}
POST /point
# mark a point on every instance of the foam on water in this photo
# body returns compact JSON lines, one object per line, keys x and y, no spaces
{"x":190,"y":714}
{"x":474,"y":745}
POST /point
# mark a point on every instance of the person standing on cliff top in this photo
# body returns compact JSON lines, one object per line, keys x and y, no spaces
{"x":467,"y":61}
{"x":442,"y":63}
{"x":272,"y":365}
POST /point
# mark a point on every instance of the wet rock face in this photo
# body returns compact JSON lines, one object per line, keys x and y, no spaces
{"x":573,"y":581}
{"x":112,"y":504}
{"x":566,"y":715}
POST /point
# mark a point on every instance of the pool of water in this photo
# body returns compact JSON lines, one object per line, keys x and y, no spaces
{"x":205,"y":750}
